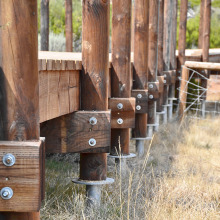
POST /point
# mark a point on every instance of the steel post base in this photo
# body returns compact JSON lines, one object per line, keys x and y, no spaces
{"x":140,"y":148}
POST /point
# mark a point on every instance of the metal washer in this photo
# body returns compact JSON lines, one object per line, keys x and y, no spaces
{"x":131,"y":155}
{"x":93,"y":183}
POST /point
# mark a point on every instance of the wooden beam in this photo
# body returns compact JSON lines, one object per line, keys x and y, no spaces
{"x":203,"y":65}
{"x":69,"y":26}
{"x":19,"y":106}
{"x":121,"y":67}
{"x":140,"y":74}
{"x":95,"y":58}
{"x":44,"y":30}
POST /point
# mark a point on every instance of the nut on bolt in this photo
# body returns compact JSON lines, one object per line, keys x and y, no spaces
{"x":138,"y":107}
{"x":151,"y":96}
{"x":151,"y":86}
{"x":92,"y":142}
{"x":93,"y":121}
{"x":120,"y":121}
{"x":8,"y":160}
{"x":139,"y":96}
{"x":6,"y":193}
{"x":120,"y":106}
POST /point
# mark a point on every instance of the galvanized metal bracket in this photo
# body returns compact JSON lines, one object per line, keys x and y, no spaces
{"x":122,"y":112}
{"x":141,"y":100}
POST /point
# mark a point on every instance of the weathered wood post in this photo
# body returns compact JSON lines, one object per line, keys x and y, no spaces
{"x":182,"y":39}
{"x":205,"y":46}
{"x":140,"y":70}
{"x":201,"y":22}
{"x":94,"y":97}
{"x":153,"y":84}
{"x":160,"y":108}
{"x":19,"y":105}
{"x":44,"y":30}
{"x":173,"y":63}
{"x":121,"y":80}
{"x":69,"y":26}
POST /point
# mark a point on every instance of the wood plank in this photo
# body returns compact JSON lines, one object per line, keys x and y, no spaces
{"x":69,"y":26}
{"x":24,"y":177}
{"x":202,"y":65}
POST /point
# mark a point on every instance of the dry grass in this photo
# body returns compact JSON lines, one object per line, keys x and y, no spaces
{"x":178,"y":179}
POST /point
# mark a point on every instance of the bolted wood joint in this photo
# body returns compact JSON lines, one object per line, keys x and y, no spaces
{"x":141,"y":101}
{"x":122,"y":112}
{"x":168,"y":77}
{"x":22,"y":183}
{"x":153,"y":91}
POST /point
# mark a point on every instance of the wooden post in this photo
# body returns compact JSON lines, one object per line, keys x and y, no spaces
{"x":19,"y":106}
{"x":182,"y":32}
{"x":206,"y":40}
{"x":95,"y":59}
{"x":69,"y":26}
{"x":160,"y":52}
{"x":121,"y":68}
{"x":201,"y":22}
{"x":183,"y":91}
{"x":152,"y":58}
{"x":140,"y":75}
{"x":44,"y":30}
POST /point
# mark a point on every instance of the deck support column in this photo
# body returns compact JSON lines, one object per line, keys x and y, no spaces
{"x":19,"y":88}
{"x":44,"y":30}
{"x":69,"y":26}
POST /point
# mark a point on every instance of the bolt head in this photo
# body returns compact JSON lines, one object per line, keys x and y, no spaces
{"x":151,"y":96}
{"x":6,"y":193}
{"x":164,"y":81}
{"x":151,"y":86}
{"x":138,"y":107}
{"x":92,"y":142}
{"x":93,"y":121}
{"x":120,"y":106}
{"x":139,"y":96}
{"x":8,"y":160}
{"x":120,"y":121}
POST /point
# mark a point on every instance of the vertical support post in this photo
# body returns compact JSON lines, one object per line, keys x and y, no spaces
{"x":201,"y":22}
{"x":140,"y":72}
{"x":173,"y":63}
{"x":206,"y":44}
{"x":94,"y":91}
{"x":183,"y":92}
{"x":121,"y":68}
{"x":68,"y":26}
{"x":19,"y":88}
{"x":44,"y":30}
{"x":152,"y":60}
{"x":166,"y":49}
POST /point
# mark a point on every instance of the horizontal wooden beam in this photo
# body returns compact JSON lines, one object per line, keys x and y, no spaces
{"x":202,"y":65}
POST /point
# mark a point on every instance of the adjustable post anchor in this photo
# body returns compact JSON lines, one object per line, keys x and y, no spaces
{"x":140,"y":145}
{"x":159,"y":119}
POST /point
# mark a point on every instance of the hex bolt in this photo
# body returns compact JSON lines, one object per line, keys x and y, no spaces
{"x":139,"y":96}
{"x":93,"y":121}
{"x":151,"y":86}
{"x":8,"y":160}
{"x":120,"y":106}
{"x":151,"y":96}
{"x":138,"y":107}
{"x":120,"y":121}
{"x":6,"y":193}
{"x":92,"y":142}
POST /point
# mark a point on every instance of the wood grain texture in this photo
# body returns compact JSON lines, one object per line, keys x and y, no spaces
{"x":183,"y":91}
{"x":202,"y":65}
{"x":59,"y":93}
{"x":182,"y":32}
{"x":44,"y":25}
{"x":140,"y":70}
{"x":24,"y":177}
{"x":19,"y":106}
{"x":69,"y":26}
{"x":95,"y":61}
{"x":142,"y":102}
{"x":127,"y":113}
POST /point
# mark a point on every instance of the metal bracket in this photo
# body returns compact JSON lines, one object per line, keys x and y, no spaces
{"x":141,"y":101}
{"x":122,"y":112}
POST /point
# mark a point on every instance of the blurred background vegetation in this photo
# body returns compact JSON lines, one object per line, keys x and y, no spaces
{"x":57,"y":24}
